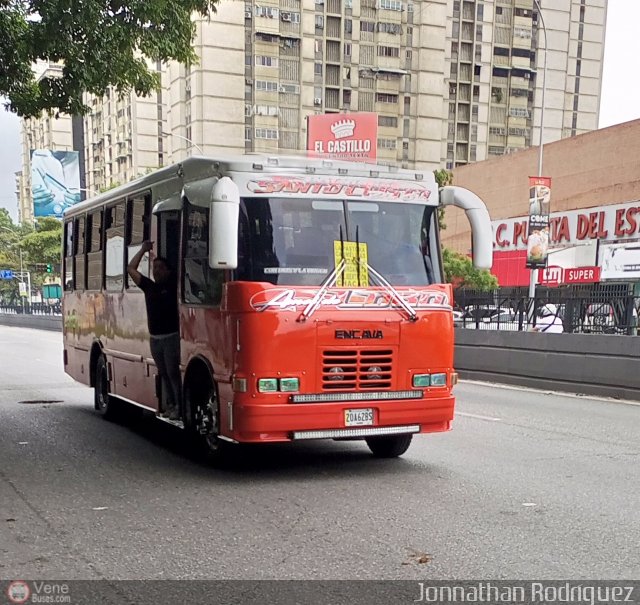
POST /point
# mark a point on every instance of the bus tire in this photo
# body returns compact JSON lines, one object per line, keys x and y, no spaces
{"x":202,"y":413}
{"x":103,"y":401}
{"x":389,"y":446}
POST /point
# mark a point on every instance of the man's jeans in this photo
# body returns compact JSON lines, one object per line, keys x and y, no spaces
{"x":165,"y":350}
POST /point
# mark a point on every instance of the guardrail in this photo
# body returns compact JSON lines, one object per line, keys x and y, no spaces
{"x":576,"y":363}
{"x":31,"y":309}
{"x":603,"y":310}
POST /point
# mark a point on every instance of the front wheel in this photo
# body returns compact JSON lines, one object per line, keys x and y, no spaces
{"x":202,"y":415}
{"x":102,"y":399}
{"x":389,"y":446}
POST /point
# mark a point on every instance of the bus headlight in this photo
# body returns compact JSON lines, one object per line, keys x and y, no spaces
{"x":421,"y":380}
{"x":438,"y":380}
{"x":289,"y":385}
{"x":267,"y":385}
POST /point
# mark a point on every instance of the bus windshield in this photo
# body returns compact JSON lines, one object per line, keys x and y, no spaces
{"x":289,"y":241}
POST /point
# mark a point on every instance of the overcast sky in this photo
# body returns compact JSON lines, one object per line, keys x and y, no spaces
{"x":620,"y":92}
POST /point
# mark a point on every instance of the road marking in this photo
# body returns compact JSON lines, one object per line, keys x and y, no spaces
{"x":512,"y":387}
{"x":490,"y":418}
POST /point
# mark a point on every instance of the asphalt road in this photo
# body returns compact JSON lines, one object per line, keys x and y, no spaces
{"x":528,"y":485}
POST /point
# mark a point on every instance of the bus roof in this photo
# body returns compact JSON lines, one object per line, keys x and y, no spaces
{"x":200,"y":167}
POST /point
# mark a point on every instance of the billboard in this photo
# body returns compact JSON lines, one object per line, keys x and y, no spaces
{"x":343,"y":136}
{"x":55,"y":181}
{"x":620,"y":261}
{"x":539,"y":215}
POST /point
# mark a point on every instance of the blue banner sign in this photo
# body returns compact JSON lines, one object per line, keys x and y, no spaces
{"x":6,"y":274}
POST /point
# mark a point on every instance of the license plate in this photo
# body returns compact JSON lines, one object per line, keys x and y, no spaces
{"x":361,"y":417}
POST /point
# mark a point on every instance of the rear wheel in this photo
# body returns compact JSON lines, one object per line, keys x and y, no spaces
{"x":102,"y":399}
{"x":389,"y":446}
{"x":202,"y":415}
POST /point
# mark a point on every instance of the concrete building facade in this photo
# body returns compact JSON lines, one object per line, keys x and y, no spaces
{"x":124,"y":136}
{"x":595,"y":202}
{"x":501,"y":54}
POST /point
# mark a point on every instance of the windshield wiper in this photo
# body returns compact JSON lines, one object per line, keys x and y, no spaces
{"x":383,"y":283}
{"x":327,"y":283}
{"x":332,"y":278}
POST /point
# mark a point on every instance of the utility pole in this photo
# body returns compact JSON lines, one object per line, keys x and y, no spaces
{"x":532,"y":277}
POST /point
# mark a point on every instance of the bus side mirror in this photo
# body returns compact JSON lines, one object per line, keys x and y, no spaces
{"x":223,"y":224}
{"x":477,"y":215}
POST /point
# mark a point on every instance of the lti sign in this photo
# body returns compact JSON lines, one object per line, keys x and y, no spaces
{"x":557,"y":276}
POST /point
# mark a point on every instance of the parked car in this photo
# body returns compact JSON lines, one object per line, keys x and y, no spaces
{"x":475,"y":313}
{"x":501,"y":316}
{"x":602,"y":318}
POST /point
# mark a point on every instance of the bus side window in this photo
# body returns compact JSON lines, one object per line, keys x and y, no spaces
{"x":94,"y":251}
{"x":201,"y":284}
{"x":138,"y":230}
{"x":68,"y":255}
{"x":114,"y":232}
{"x":79,"y":260}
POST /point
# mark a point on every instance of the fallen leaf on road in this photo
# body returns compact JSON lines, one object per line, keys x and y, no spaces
{"x":418,"y":557}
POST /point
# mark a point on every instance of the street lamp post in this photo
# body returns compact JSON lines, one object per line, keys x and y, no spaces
{"x":172,"y":134}
{"x":532,"y":277}
{"x":91,"y":191}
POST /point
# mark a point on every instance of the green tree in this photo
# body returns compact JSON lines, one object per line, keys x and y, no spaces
{"x":98,"y":43}
{"x":39,"y":244}
{"x":44,"y":243}
{"x":443,"y":178}
{"x":459,"y":271}
{"x":10,"y":238}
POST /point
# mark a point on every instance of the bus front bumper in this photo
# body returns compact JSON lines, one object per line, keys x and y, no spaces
{"x":249,"y":422}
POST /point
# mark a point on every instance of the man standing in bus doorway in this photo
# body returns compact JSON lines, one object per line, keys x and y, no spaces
{"x":161,"y":298}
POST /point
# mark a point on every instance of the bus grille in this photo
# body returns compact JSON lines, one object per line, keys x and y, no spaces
{"x":344,"y":370}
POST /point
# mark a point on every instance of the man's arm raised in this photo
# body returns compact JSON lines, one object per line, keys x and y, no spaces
{"x":132,"y":267}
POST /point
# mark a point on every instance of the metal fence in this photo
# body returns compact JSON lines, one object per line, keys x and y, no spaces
{"x":596,"y":309}
{"x":31,"y":309}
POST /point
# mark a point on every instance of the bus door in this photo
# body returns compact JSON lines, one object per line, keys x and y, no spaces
{"x":168,"y":238}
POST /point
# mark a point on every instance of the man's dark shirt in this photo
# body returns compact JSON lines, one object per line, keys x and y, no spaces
{"x":162,"y":306}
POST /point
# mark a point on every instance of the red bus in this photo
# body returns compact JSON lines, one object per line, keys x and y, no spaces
{"x":312,"y":300}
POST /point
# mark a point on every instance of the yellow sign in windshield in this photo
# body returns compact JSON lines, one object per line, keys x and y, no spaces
{"x":355,"y":273}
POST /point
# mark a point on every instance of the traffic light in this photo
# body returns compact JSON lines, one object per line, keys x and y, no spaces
{"x":49,"y":268}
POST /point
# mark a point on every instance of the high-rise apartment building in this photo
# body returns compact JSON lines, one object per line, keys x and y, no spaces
{"x":267,"y":65}
{"x":452,"y":82}
{"x":496,"y":52}
{"x":124,"y":136}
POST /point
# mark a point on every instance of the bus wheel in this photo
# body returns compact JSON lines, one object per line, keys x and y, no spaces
{"x":102,"y":400}
{"x":390,"y":446}
{"x":203,"y":413}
